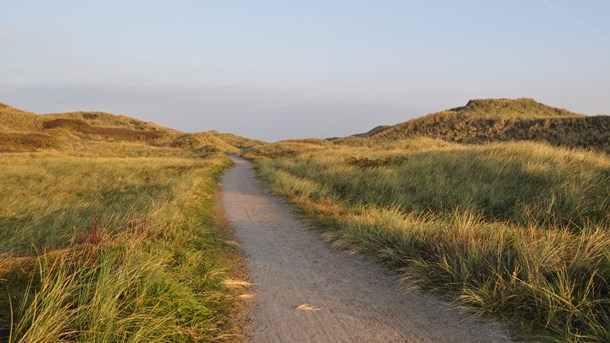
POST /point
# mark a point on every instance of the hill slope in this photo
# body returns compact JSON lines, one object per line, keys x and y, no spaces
{"x":25,"y":131}
{"x":491,"y":120}
{"x":111,"y":231}
{"x":13,"y":119}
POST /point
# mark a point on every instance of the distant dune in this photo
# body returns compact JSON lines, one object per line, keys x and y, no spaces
{"x":22,"y":131}
{"x":492,"y":120}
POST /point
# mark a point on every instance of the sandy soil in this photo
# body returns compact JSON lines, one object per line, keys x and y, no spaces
{"x":307,"y":291}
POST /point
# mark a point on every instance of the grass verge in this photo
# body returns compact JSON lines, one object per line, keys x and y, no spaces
{"x":516,"y":230}
{"x":114,"y":249}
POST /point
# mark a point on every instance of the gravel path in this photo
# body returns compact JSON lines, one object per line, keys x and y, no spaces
{"x":307,"y":291}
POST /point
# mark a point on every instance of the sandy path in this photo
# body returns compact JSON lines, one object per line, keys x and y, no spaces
{"x":357,"y":301}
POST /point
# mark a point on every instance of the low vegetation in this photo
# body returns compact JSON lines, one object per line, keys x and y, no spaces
{"x":500,"y":120}
{"x":110,"y":230}
{"x":13,"y":119}
{"x":110,"y":234}
{"x":519,"y":230}
{"x":22,"y":131}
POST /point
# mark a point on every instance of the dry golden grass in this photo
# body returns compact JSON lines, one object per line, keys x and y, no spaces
{"x":499,"y":120}
{"x":99,"y":248}
{"x":237,"y":141}
{"x":22,"y":131}
{"x":12,"y":119}
{"x":27,"y":141}
{"x":520,"y":230}
{"x":102,"y":119}
{"x":110,"y":233}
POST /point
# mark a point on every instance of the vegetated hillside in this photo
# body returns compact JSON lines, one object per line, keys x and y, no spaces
{"x":103,"y":221}
{"x":108,"y":247}
{"x":493,"y":120}
{"x":203,"y":141}
{"x":372,"y":131}
{"x":102,"y":119}
{"x":518,"y":229}
{"x":22,"y":131}
{"x":12,"y":119}
{"x":237,"y":141}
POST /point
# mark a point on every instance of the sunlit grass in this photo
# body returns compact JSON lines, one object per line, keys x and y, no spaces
{"x":518,"y":230}
{"x":499,"y":120}
{"x":115,"y":248}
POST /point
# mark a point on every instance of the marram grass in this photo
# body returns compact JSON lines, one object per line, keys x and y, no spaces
{"x":518,"y":230}
{"x":107,"y":246}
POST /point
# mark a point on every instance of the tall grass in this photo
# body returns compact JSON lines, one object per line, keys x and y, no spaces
{"x":518,"y":230}
{"x":521,"y":183}
{"x":113,"y":249}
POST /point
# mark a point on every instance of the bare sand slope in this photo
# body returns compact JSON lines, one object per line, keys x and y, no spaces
{"x":343,"y":298}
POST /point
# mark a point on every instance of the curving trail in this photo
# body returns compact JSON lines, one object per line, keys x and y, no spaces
{"x":347,"y":298}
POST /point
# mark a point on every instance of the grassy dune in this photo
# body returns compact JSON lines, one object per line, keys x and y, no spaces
{"x":111,"y":231}
{"x":500,"y":120}
{"x":519,"y":230}
{"x":22,"y":131}
{"x":107,"y":249}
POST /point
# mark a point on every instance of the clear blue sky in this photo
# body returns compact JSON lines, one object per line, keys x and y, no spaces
{"x":280,"y":69}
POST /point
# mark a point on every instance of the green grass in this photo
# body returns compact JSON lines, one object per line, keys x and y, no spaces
{"x":517,"y":230}
{"x":122,"y":245}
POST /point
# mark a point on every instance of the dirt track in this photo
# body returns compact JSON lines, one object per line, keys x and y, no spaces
{"x":346,"y":298}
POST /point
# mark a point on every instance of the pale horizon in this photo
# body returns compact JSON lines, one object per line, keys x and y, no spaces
{"x":277,"y":70}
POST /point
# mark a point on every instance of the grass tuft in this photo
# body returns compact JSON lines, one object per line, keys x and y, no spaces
{"x":107,"y":249}
{"x":518,"y":230}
